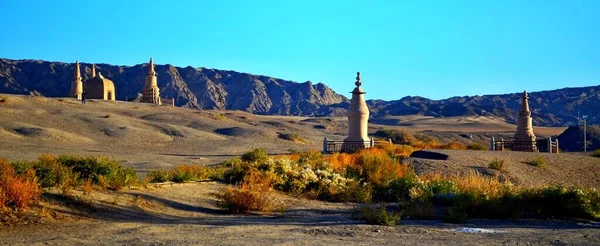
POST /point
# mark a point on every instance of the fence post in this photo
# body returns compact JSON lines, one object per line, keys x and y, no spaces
{"x":493,"y":144}
{"x":372,"y":143}
{"x":550,"y":145}
{"x":556,"y":140}
{"x":325,"y":145}
{"x":502,"y":144}
{"x":389,"y":139}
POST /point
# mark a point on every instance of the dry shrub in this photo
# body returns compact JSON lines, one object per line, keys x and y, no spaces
{"x":255,"y":193}
{"x":397,"y":151}
{"x":378,"y":167}
{"x":537,"y":162}
{"x":497,"y":164}
{"x":454,"y":145}
{"x":476,"y":184}
{"x":476,"y":146}
{"x":340,"y":162}
{"x":378,"y":215}
{"x":17,"y":191}
{"x":596,"y":153}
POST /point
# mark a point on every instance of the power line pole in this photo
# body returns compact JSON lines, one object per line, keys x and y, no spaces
{"x":584,"y":133}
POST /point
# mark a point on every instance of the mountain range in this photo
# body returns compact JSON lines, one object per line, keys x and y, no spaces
{"x":205,"y":88}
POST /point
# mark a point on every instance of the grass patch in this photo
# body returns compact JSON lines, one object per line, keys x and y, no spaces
{"x":67,"y":171}
{"x":537,"y":162}
{"x":294,"y":137}
{"x":379,"y":215}
{"x":596,"y":153}
{"x":186,"y":173}
{"x":476,"y":146}
{"x":497,"y":164}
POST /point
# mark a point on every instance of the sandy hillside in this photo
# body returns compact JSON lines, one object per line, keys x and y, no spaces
{"x":147,"y":137}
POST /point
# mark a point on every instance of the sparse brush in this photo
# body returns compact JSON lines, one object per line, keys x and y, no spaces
{"x":106,"y":116}
{"x":476,"y":146}
{"x":537,"y":162}
{"x":456,"y":215}
{"x":497,"y":164}
{"x":596,"y":153}
{"x":3,"y":100}
{"x":294,"y":137}
{"x":17,"y":190}
{"x":255,"y":155}
{"x":379,"y":215}
{"x":255,"y":193}
{"x":454,"y":145}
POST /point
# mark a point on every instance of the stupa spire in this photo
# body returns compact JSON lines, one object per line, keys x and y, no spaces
{"x":151,"y":92}
{"x":151,"y":71}
{"x":524,"y":137}
{"x":77,"y":83}
{"x":76,"y":72}
{"x":525,"y":105}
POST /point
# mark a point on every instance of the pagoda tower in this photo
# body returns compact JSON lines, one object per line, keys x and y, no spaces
{"x":151,"y":93}
{"x":358,"y":118}
{"x":524,"y":138}
{"x":77,"y":83}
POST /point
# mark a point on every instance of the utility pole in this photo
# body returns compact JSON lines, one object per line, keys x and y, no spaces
{"x":584,"y":133}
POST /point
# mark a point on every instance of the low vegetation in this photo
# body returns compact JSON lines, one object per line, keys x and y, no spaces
{"x":186,"y":173}
{"x":497,"y":164}
{"x":537,"y":162}
{"x":417,"y":141}
{"x":17,"y":191}
{"x":596,"y":153}
{"x":294,"y":137}
{"x":476,"y":146}
{"x":378,"y":175}
{"x":253,"y":194}
{"x":378,"y":215}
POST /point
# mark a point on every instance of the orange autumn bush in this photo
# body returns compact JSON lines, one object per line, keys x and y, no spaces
{"x":17,"y":191}
{"x":378,"y":167}
{"x":255,"y":193}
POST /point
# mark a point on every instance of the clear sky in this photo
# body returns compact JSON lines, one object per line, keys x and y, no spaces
{"x":436,"y":49}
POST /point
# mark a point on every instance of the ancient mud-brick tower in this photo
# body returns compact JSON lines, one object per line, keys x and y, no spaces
{"x":524,"y":138}
{"x":98,"y":87}
{"x":358,"y":117}
{"x":151,"y":93}
{"x":77,"y":84}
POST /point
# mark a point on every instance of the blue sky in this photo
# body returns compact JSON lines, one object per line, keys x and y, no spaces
{"x":436,"y":49}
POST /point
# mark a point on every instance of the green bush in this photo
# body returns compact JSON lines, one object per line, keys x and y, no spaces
{"x":256,"y":155}
{"x":379,"y":215}
{"x":537,"y":162}
{"x":67,"y":171}
{"x":398,"y":190}
{"x":456,"y":215}
{"x":476,"y":146}
{"x":497,"y":164}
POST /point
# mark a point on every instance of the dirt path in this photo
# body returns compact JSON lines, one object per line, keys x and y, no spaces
{"x":186,"y":215}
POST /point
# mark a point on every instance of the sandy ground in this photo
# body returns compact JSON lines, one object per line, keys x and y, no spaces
{"x":568,"y":169}
{"x":185,"y":214}
{"x":147,"y":137}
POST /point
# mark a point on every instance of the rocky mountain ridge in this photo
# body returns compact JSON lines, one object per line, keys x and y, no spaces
{"x":200,"y":88}
{"x":205,"y":88}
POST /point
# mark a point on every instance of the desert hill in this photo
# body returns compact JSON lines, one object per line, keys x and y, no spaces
{"x":190,"y":87}
{"x":146,"y":136}
{"x":204,"y":88}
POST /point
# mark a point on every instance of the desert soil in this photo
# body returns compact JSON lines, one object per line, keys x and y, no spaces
{"x":148,"y":137}
{"x":185,"y":214}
